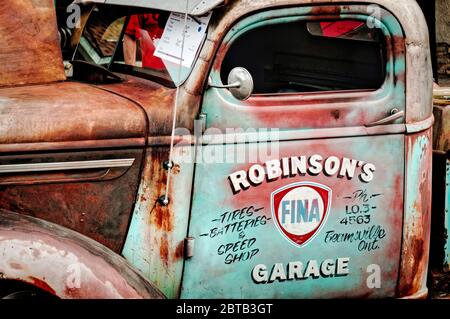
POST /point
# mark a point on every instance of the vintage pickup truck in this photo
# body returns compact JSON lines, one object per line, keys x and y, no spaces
{"x":291,"y":159}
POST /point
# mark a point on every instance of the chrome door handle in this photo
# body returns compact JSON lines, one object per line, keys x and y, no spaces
{"x":395,"y":115}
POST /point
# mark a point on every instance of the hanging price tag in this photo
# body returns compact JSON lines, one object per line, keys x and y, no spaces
{"x":169,"y":47}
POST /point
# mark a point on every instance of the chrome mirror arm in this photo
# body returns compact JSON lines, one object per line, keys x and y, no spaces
{"x":240,"y":83}
{"x":220,"y":86}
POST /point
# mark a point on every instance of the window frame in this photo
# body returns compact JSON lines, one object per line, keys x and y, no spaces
{"x":238,"y":30}
{"x":277,"y":21}
{"x":293,"y":111}
{"x":159,"y":77}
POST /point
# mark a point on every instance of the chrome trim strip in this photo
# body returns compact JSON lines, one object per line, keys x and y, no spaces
{"x":72,"y":145}
{"x":65,"y":166}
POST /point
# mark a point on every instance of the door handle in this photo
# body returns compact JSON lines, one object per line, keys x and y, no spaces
{"x":395,"y":115}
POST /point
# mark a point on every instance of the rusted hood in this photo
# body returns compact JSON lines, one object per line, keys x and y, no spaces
{"x":29,"y":51}
{"x":65,"y":112}
{"x":156,"y":100}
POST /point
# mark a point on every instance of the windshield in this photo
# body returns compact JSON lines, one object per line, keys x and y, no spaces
{"x":125,"y":41}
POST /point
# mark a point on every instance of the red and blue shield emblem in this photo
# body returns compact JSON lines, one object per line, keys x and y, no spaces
{"x":300,"y":210}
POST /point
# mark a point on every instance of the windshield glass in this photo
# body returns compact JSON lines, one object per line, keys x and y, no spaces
{"x":125,"y":41}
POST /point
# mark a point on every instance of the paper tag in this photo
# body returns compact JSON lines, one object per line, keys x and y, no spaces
{"x":169,"y":47}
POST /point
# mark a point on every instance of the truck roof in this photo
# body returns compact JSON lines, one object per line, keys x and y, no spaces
{"x":194,"y":7}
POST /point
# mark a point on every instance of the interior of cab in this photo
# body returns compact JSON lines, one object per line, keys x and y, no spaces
{"x":114,"y":40}
{"x":301,"y":56}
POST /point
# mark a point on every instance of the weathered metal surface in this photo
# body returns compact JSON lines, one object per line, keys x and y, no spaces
{"x":155,"y":241}
{"x":154,"y":99}
{"x":30,"y":51}
{"x":65,"y":263}
{"x":157,"y":101}
{"x":417,"y":214}
{"x":217,"y":221}
{"x":97,"y":208}
{"x":65,"y":112}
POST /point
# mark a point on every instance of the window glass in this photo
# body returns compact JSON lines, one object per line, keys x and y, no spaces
{"x":124,"y":41}
{"x":142,"y":35}
{"x":301,"y":57}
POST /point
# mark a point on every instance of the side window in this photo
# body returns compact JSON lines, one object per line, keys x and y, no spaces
{"x":300,"y":56}
{"x":124,"y":40}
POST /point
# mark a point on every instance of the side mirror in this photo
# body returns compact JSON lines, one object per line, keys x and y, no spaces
{"x":240,"y":83}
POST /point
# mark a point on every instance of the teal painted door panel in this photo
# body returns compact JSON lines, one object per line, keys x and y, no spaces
{"x":324,"y":221}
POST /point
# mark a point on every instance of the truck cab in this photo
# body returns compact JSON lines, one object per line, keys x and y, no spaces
{"x":266,"y":150}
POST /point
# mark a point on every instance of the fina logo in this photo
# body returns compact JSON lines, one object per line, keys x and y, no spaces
{"x":300,"y":210}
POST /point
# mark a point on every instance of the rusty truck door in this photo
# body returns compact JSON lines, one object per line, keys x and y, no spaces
{"x":299,"y":190}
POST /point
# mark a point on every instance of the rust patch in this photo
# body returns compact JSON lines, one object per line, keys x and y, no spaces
{"x":72,"y":293}
{"x":415,"y":251}
{"x":179,"y":251}
{"x":15,"y":265}
{"x":156,"y":100}
{"x":336,"y":114}
{"x":162,"y":215}
{"x":415,"y":265}
{"x":164,"y":250}
{"x":326,"y":10}
{"x":31,"y":45}
{"x":67,"y":112}
{"x":99,"y":209}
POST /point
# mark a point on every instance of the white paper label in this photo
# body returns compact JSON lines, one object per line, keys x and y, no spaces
{"x":169,"y":48}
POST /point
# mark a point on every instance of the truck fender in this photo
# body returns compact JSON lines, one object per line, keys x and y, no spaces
{"x":66,"y":263}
